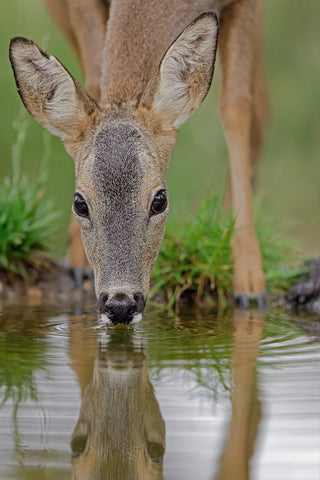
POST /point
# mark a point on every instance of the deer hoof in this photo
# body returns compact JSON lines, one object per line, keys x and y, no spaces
{"x":261,"y":300}
{"x":78,"y":275}
{"x":242,"y":300}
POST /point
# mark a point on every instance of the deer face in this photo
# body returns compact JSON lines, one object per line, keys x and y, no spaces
{"x":121,"y":203}
{"x":120,"y":433}
{"x":121,"y":155}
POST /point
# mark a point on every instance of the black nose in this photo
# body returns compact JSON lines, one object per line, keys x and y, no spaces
{"x":120,"y":308}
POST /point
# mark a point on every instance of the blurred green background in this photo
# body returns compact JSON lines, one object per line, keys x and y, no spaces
{"x":288,"y":176}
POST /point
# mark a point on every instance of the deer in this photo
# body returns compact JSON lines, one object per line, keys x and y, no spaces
{"x":120,"y":432}
{"x":148,"y":65}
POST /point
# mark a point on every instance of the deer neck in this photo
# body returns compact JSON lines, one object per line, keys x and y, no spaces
{"x":138,"y":34}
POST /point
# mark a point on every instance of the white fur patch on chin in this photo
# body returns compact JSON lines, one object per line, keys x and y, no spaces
{"x":106,"y":319}
{"x":136,"y":319}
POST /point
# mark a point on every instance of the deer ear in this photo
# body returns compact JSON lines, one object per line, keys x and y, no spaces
{"x":185,"y":72}
{"x":50,"y":94}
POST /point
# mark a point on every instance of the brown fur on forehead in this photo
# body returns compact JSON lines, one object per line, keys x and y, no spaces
{"x":116,"y":168}
{"x":163,"y":135}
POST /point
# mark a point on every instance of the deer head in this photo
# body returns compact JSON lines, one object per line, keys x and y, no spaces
{"x":120,"y":433}
{"x":121,"y":154}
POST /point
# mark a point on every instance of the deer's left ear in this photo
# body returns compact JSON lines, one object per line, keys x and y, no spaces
{"x":185,"y":72}
{"x":50,"y":94}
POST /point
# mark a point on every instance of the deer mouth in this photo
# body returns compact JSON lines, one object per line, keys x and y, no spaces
{"x":121,"y":308}
{"x":136,"y":319}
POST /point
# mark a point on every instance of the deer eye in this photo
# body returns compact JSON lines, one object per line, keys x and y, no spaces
{"x":80,"y":206}
{"x":159,"y":203}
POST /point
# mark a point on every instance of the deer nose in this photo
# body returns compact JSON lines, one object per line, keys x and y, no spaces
{"x":120,"y":308}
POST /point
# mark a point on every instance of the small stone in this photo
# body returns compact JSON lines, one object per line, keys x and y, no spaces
{"x":34,"y":293}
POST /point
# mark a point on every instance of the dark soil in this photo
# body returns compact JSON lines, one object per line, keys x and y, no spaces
{"x":52,"y":284}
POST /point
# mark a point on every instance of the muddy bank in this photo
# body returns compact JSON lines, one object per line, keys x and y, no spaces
{"x":56,"y":283}
{"x":52,"y":284}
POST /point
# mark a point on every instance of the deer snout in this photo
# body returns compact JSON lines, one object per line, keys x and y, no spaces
{"x":120,"y":308}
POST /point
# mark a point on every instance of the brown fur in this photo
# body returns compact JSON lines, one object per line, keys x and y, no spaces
{"x":120,"y":433}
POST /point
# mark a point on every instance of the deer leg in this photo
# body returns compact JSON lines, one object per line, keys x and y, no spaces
{"x":259,"y":110}
{"x":83,"y":22}
{"x":88,"y":19}
{"x":60,"y":13}
{"x":77,"y":256}
{"x":258,"y":120}
{"x":239,"y":32}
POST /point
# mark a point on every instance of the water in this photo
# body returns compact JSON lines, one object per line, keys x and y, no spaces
{"x":230,"y":398}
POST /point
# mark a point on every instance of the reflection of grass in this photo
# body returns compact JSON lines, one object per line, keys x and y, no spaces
{"x":26,"y":219}
{"x":202,"y":347}
{"x":205,"y":346}
{"x":20,"y":358}
{"x":280,"y":325}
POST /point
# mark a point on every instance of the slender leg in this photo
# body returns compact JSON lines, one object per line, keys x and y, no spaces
{"x":60,"y":13}
{"x":83,"y":22}
{"x":258,"y":118}
{"x":239,"y":33}
{"x":88,"y":19}
{"x":259,"y":107}
{"x":77,"y":255}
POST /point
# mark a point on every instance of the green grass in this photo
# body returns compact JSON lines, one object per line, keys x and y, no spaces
{"x":195,"y":258}
{"x":27,"y":220}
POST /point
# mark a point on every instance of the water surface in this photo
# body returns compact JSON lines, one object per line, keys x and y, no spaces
{"x":215,"y":398}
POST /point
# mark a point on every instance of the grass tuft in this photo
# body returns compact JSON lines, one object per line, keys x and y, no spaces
{"x":196,"y":258}
{"x":27,"y":221}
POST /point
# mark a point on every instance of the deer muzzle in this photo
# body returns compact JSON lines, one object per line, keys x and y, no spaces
{"x":121,"y":307}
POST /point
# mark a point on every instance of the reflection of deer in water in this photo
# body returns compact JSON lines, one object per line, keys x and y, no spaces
{"x":120,"y":434}
{"x":246,"y":407}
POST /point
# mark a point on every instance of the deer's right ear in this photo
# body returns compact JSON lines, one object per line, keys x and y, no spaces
{"x":185,"y":72}
{"x":50,"y":94}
